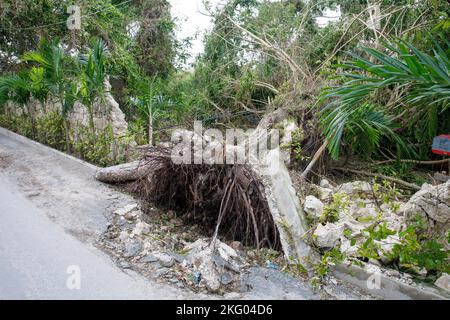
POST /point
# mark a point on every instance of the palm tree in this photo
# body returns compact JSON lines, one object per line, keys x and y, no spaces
{"x":92,"y":78}
{"x":57,"y":78}
{"x":422,"y":78}
{"x":38,"y":87}
{"x":16,"y":89}
{"x":151,"y":104}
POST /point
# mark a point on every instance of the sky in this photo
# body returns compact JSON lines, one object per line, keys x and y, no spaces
{"x":193,"y":19}
{"x":191,"y":14}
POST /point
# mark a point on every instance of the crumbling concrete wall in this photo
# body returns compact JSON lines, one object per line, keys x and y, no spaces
{"x":285,"y":208}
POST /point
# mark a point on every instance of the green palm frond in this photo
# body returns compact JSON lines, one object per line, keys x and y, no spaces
{"x":16,"y":88}
{"x":93,"y":72}
{"x":52,"y":58}
{"x":424,"y":77}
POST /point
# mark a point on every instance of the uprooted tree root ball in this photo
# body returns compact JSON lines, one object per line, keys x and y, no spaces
{"x":224,"y":199}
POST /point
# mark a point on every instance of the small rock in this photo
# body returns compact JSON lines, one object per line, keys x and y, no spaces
{"x":237,"y":245}
{"x":325,"y":194}
{"x":126,"y":209}
{"x":124,"y":265}
{"x":140,"y":228}
{"x":226,"y":278}
{"x":355,"y":227}
{"x":387,"y":245}
{"x":324,"y":183}
{"x":150,"y":258}
{"x":186,"y":264}
{"x":422,"y":272}
{"x":393,"y":273}
{"x":124,"y":236}
{"x":131,"y":215}
{"x":355,"y":187}
{"x":426,"y":186}
{"x":166,"y":260}
{"x":132,"y":248}
{"x":180,"y":258}
{"x":313,"y":206}
{"x":210,"y":276}
{"x":443,"y":282}
{"x":210,"y":260}
{"x":373,"y":269}
{"x":327,"y":236}
{"x":333,"y":280}
{"x":369,"y":211}
{"x":161,"y":272}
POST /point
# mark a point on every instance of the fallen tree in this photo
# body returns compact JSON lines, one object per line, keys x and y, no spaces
{"x":226,"y":197}
{"x":242,"y":202}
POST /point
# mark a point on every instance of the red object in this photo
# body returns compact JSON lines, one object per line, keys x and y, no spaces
{"x":441,"y":144}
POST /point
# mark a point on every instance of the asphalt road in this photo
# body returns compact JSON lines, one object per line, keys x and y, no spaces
{"x":51,"y":212}
{"x":36,"y":256}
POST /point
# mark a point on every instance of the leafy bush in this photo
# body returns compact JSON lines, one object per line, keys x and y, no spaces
{"x":50,"y":130}
{"x":413,"y":252}
{"x":331,"y":211}
{"x":20,"y":124}
{"x":94,"y":147}
{"x":416,"y":252}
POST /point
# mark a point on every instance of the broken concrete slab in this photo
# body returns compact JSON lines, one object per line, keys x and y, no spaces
{"x":377,"y":283}
{"x":285,"y":207}
{"x":443,"y":282}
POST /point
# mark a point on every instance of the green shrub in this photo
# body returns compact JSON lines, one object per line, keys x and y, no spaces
{"x":50,"y":130}
{"x":331,"y":211}
{"x":94,"y":147}
{"x":414,"y":252}
{"x":20,"y":124}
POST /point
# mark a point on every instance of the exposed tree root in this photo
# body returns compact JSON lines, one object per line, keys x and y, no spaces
{"x":228,"y":199}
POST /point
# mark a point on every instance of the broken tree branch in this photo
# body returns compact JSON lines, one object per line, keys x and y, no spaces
{"x":428,"y":162}
{"x":376,"y":175}
{"x":314,"y":159}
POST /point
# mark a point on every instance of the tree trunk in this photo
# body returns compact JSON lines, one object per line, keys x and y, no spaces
{"x":123,"y":172}
{"x":150,"y":128}
{"x":67,"y":134}
{"x":91,"y":118}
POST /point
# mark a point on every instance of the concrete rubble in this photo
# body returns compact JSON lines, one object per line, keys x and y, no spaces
{"x":432,"y":203}
{"x":361,"y":210}
{"x":205,"y":265}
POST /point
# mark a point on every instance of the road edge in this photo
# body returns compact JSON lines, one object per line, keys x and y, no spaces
{"x":32,"y":143}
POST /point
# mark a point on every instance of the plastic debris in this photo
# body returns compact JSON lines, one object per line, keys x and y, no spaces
{"x":271,"y":265}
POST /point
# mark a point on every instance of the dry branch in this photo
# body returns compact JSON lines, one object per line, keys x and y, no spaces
{"x":376,"y":175}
